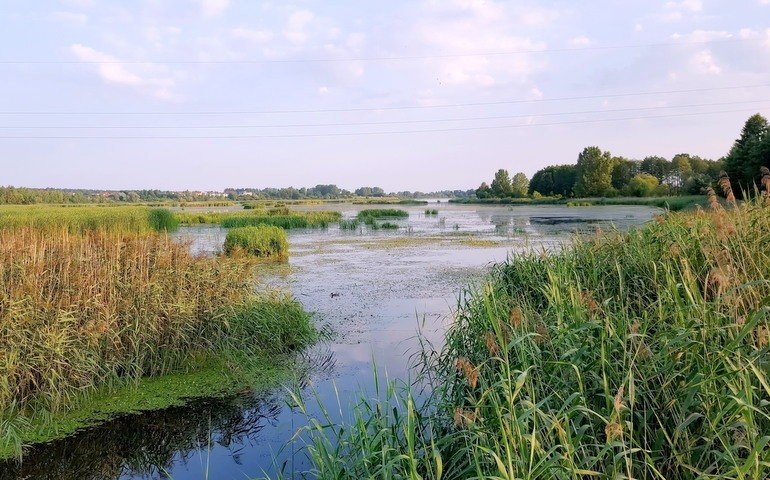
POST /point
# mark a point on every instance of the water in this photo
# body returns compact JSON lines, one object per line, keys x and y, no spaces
{"x":373,"y":289}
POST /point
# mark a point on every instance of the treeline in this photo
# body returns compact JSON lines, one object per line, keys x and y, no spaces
{"x":334,"y":192}
{"x":28,"y":196}
{"x":598,"y":173}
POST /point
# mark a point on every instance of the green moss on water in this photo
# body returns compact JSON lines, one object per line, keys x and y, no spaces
{"x":206,"y":377}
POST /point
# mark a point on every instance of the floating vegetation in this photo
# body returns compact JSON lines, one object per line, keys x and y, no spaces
{"x":264,"y":241}
{"x":389,"y":226}
{"x":350,"y":224}
{"x":431,"y":212}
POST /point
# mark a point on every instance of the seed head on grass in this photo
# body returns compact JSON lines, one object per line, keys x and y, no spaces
{"x":727,"y":189}
{"x":471,"y":373}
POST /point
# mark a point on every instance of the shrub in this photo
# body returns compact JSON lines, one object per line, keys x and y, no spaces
{"x":260,"y":241}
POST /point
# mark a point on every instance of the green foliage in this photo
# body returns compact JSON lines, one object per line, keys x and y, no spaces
{"x":501,"y":184}
{"x":484,"y":191}
{"x":749,"y":152}
{"x":642,"y":185}
{"x":639,"y":355}
{"x":594,"y":173}
{"x":431,"y":211}
{"x":265,"y":241}
{"x":519,"y":185}
{"x":388,"y":226}
{"x":162,"y":219}
{"x":554,"y":180}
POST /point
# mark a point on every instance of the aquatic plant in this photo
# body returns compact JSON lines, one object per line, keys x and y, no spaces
{"x":295,"y":220}
{"x":350,"y":224}
{"x":79,"y":312}
{"x":636,"y":355}
{"x":389,"y":226}
{"x":431,"y":211}
{"x":265,"y":241}
{"x":378,"y":213}
{"x":88,"y":218}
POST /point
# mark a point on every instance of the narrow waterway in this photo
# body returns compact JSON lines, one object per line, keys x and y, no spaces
{"x":372,"y":290}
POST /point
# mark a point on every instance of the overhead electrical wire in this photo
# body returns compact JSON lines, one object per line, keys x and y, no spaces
{"x":345,"y":134}
{"x":386,"y":108}
{"x":376,"y":58}
{"x":389,"y":122}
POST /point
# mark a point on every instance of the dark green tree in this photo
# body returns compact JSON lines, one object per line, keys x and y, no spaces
{"x":594,"y":173}
{"x":501,"y":185}
{"x":483,"y":191}
{"x":623,"y":171}
{"x":743,"y":162}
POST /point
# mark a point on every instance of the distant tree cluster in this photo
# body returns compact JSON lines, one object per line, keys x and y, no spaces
{"x":27,"y":196}
{"x":598,"y":173}
{"x":503,"y":186}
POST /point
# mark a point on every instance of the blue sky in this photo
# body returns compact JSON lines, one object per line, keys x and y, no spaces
{"x":161,"y":68}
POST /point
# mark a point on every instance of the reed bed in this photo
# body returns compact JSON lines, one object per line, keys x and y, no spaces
{"x":88,"y":218}
{"x":294,"y":220}
{"x":626,"y":355}
{"x":79,"y":311}
{"x":265,"y":241}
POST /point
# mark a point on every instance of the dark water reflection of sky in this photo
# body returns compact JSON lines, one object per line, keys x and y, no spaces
{"x":388,"y":282}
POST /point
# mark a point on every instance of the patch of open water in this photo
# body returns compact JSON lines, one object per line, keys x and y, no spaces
{"x":385,"y":285}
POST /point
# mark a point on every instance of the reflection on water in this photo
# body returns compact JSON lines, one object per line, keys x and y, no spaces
{"x":380,"y":296}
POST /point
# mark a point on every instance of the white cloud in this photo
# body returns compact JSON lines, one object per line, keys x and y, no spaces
{"x":580,"y":41}
{"x":471,"y":27}
{"x":323,"y":90}
{"x":702,"y":36}
{"x":213,"y":8}
{"x":638,"y":27}
{"x":113,"y":72}
{"x":296,"y":30}
{"x":79,"y":3}
{"x":686,"y":5}
{"x":72,"y":18}
{"x":704,"y":62}
{"x":257,"y":36}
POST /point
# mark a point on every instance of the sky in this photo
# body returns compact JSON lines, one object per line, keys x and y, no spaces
{"x":407,"y":95}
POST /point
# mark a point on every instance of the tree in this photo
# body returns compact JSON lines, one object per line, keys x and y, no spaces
{"x":519,"y":185}
{"x":554,"y":180}
{"x":623,"y":171}
{"x":744,"y":160}
{"x":642,"y":185}
{"x":501,"y":185}
{"x":594,"y":173}
{"x":658,"y":167}
{"x":681,"y":170}
{"x":483,"y":191}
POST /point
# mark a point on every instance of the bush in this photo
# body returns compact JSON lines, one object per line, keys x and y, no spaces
{"x":261,"y":241}
{"x":642,"y":185}
{"x":162,"y":219}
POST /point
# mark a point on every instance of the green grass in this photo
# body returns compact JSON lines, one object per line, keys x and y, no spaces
{"x":638,"y":355}
{"x":432,"y":211}
{"x":370,"y":217}
{"x":388,"y":226}
{"x":88,"y":218}
{"x":264,"y":241}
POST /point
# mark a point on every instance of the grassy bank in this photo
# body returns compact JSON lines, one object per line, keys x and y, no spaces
{"x":88,"y":218}
{"x":638,"y":355}
{"x":263,"y":241}
{"x":670,"y":203}
{"x":81,"y":312}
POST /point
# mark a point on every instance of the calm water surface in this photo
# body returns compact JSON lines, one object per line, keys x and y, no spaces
{"x":372,"y":289}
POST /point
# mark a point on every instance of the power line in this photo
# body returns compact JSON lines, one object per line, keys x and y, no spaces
{"x":375,"y":58}
{"x":409,"y":107}
{"x":346,"y":134}
{"x":393,"y":122}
